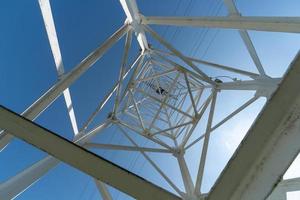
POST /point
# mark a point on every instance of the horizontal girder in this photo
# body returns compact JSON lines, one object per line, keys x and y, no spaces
{"x":86,"y":161}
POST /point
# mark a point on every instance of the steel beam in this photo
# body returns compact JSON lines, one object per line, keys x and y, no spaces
{"x":127,"y":46}
{"x":14,"y":186}
{"x":214,"y":65}
{"x":47,"y":98}
{"x":200,"y":173}
{"x":272,"y":24}
{"x":125,"y":148}
{"x":103,"y":190}
{"x":108,"y":95}
{"x":270,"y":146}
{"x":179,"y":55}
{"x":228,"y":117}
{"x":133,"y":16}
{"x":288,"y":185}
{"x":152,"y":163}
{"x":86,"y":161}
{"x":233,"y":11}
{"x":53,"y":40}
{"x":186,"y":176}
{"x":263,"y":86}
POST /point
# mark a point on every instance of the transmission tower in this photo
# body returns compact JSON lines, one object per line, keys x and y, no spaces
{"x":161,"y":97}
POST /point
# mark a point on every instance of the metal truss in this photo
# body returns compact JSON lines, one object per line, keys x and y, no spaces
{"x":280,"y":192}
{"x":162,"y":96}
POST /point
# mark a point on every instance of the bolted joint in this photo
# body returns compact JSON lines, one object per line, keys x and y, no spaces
{"x":135,"y":25}
{"x":196,"y":118}
{"x":111,"y":116}
{"x":61,"y":76}
{"x":131,"y":85}
{"x":148,"y":51}
{"x":146,"y":132}
{"x":127,"y":21}
{"x":179,"y":151}
{"x":181,"y":70}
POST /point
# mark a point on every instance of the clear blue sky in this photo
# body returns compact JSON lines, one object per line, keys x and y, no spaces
{"x":27,"y":70}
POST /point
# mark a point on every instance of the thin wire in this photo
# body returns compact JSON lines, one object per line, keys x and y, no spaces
{"x":168,"y":27}
{"x":178,"y":30}
{"x":216,"y":8}
{"x":202,"y":32}
{"x":214,"y":36}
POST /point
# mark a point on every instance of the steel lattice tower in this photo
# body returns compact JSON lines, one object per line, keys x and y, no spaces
{"x":161,"y":97}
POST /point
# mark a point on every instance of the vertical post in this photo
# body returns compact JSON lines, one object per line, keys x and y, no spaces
{"x":122,"y":69}
{"x":200,"y":173}
{"x":103,"y":190}
{"x":186,"y":176}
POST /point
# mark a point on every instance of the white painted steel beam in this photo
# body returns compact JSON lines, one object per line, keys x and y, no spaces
{"x":190,"y":93}
{"x":152,"y":163}
{"x":246,"y":38}
{"x":186,"y":176}
{"x":133,"y":16}
{"x":85,"y":161}
{"x":127,"y":46}
{"x":137,"y":110}
{"x":164,"y":103}
{"x":47,"y":98}
{"x":272,"y":24}
{"x":249,"y":84}
{"x":156,"y":75}
{"x":144,"y":135}
{"x":125,"y":148}
{"x":111,"y":92}
{"x":270,"y":146}
{"x":103,"y":190}
{"x":201,"y":113}
{"x":288,"y":185}
{"x":14,"y":186}
{"x":5,"y":139}
{"x":178,"y":54}
{"x":228,"y":117}
{"x":52,"y":36}
{"x":215,"y":65}
{"x":263,"y":87}
{"x":200,"y":173}
{"x":170,"y":62}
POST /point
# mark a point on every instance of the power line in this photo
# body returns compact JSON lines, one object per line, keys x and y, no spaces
{"x":217,"y":7}
{"x":177,"y":29}
{"x":201,"y":33}
{"x":174,"y":13}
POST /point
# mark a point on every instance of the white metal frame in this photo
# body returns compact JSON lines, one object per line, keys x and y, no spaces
{"x":161,"y":100}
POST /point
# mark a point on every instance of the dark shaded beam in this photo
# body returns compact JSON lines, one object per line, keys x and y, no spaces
{"x":268,"y":149}
{"x":80,"y":158}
